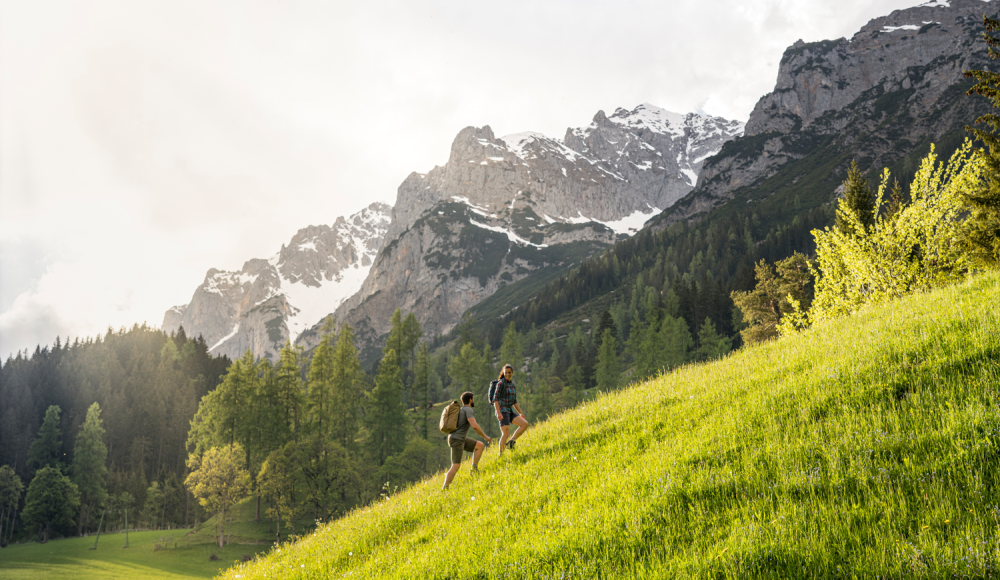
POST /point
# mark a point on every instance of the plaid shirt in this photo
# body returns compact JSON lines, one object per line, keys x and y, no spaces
{"x":506,"y":395}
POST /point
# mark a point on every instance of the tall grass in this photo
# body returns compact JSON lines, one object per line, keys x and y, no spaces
{"x":866,"y":446}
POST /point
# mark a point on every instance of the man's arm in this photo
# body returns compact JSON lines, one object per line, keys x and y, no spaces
{"x":475,"y":427}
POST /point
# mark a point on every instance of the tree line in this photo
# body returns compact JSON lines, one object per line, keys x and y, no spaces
{"x":133,"y":390}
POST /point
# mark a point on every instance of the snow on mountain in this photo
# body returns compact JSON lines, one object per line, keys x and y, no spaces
{"x":270,"y":301}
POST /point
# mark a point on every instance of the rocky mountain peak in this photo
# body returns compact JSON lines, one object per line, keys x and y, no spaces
{"x":269,"y":301}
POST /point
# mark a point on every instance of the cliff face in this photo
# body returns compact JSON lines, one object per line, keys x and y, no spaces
{"x":270,"y":301}
{"x":505,"y":208}
{"x":891,"y":89}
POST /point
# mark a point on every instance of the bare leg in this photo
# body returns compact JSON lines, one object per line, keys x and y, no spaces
{"x":477,"y":454}
{"x":522,"y":426}
{"x":450,"y":475}
{"x":503,"y":438}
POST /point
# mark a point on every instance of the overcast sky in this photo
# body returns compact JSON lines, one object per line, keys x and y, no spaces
{"x":142,"y":143}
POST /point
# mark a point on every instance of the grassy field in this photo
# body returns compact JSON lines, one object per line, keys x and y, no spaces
{"x":73,"y":558}
{"x":182,"y":553}
{"x":863,"y":448}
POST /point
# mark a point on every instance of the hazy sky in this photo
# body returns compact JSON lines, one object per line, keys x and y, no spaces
{"x":142,"y":143}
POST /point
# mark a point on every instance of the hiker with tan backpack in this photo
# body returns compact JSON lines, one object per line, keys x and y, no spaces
{"x":455,"y":421}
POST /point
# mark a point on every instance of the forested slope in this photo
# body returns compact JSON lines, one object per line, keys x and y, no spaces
{"x":147,"y":384}
{"x":865,"y":446}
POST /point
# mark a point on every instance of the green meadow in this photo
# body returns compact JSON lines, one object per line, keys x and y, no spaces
{"x":863,"y":447}
{"x":171,"y":554}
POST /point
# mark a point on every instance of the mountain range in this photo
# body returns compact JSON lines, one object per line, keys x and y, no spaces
{"x":499,"y":211}
{"x":507,"y":215}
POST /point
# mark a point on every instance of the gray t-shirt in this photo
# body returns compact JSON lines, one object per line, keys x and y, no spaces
{"x":464,"y":414}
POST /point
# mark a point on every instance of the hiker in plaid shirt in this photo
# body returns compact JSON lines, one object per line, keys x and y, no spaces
{"x":505,"y":405}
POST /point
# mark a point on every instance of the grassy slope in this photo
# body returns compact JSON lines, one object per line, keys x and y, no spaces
{"x":865,"y":447}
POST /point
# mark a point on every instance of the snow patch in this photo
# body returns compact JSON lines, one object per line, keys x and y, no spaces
{"x":225,"y":338}
{"x":311,"y":304}
{"x":510,"y":235}
{"x":903,"y":27}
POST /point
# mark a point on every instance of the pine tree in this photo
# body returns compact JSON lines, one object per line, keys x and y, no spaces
{"x":466,"y":369}
{"x":318,"y":399}
{"x":11,"y":489}
{"x":512,"y":353}
{"x":386,"y":415}
{"x":288,"y":390}
{"x":422,"y":385}
{"x":676,"y":340}
{"x":608,"y":367}
{"x":711,"y":344}
{"x":89,"y":471}
{"x":51,"y":502}
{"x":858,"y":200}
{"x":345,"y":390}
{"x":46,"y":449}
{"x":983,"y":235}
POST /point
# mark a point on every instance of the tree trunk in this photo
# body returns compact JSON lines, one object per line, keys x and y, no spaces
{"x":83,"y":512}
{"x":256,"y":518}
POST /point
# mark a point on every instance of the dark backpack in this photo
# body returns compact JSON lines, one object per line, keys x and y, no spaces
{"x":494,"y":393}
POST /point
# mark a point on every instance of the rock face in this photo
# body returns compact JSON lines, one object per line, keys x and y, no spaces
{"x":893,"y":86}
{"x":504,"y":208}
{"x":270,"y":301}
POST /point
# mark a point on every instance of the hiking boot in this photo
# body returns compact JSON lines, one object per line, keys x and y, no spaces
{"x":474,"y":470}
{"x":510,"y":444}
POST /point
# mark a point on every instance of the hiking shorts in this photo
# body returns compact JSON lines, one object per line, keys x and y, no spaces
{"x":458,"y":446}
{"x":506,"y":418}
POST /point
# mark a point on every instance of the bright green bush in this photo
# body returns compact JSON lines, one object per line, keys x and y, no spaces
{"x":914,"y":248}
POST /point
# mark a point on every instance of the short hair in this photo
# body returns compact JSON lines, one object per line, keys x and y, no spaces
{"x":466,"y":397}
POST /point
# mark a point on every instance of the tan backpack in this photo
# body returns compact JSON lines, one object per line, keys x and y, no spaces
{"x":449,"y":417}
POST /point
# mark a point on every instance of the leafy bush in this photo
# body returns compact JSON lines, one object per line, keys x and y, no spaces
{"x":914,"y":248}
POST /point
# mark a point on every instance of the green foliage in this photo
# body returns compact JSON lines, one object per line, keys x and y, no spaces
{"x":422,"y":386}
{"x":862,"y":448}
{"x":319,"y":397}
{"x":219,"y":481}
{"x":276,"y":481}
{"x":710,"y":344}
{"x":11,"y":489}
{"x":329,"y":475}
{"x":466,"y":369}
{"x":386,"y":412}
{"x":51,"y":502}
{"x":858,"y":202}
{"x":982,"y":238}
{"x":88,"y":469}
{"x":778,"y":288}
{"x":512,"y":353}
{"x":346,"y":390}
{"x":608,"y":372}
{"x":46,"y":449}
{"x":914,"y":249}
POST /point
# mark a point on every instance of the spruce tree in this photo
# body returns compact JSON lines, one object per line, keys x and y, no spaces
{"x":51,"y":502}
{"x":318,"y":401}
{"x":288,"y":387}
{"x":11,"y":489}
{"x":386,"y":415}
{"x":608,"y":367}
{"x":422,"y":385}
{"x":711,"y":345}
{"x":345,"y":390}
{"x":89,"y":471}
{"x":858,"y":200}
{"x":512,"y":353}
{"x":46,"y":449}
{"x":983,"y":234}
